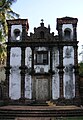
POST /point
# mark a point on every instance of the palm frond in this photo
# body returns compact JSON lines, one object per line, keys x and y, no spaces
{"x":5,"y":13}
{"x":13,"y":14}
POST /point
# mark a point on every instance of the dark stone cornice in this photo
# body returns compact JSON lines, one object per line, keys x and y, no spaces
{"x":45,"y":43}
{"x":18,"y":22}
{"x":65,"y":20}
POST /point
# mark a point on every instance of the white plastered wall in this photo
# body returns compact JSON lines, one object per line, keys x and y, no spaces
{"x":69,"y":76}
{"x":55,"y":78}
{"x":28,"y":80}
{"x":15,"y":77}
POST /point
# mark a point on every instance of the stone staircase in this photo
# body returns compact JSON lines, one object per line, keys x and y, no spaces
{"x":13,"y":112}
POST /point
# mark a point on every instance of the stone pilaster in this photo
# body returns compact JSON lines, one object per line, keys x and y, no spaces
{"x":74,"y":32}
{"x":50,"y":59}
{"x":60,"y":67}
{"x":76,"y":73}
{"x":51,"y":62}
{"x":9,"y":33}
{"x":51,"y":72}
{"x":60,"y":32}
{"x":32,"y":65}
{"x":7,"y":72}
{"x":22,"y":73}
{"x":24,"y":33}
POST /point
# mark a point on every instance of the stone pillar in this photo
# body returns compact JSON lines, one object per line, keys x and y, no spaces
{"x":32,"y":67}
{"x":7,"y":72}
{"x":60,"y":67}
{"x":9,"y":33}
{"x":51,"y":72}
{"x":74,"y":32}
{"x":24,"y":33}
{"x":76,"y":72}
{"x":32,"y":74}
{"x":60,"y":32}
{"x":50,"y":59}
{"x":22,"y":73}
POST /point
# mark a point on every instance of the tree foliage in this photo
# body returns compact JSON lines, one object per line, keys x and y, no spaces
{"x":5,"y":13}
{"x":81,"y":68}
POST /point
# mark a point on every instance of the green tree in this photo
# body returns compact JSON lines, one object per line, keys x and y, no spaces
{"x":5,"y":13}
{"x":2,"y":49}
{"x":81,"y":62}
{"x":81,"y":68}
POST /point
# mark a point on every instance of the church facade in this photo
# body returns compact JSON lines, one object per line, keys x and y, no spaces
{"x":42,"y":66}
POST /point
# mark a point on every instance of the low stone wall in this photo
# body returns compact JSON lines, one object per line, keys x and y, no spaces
{"x":81,"y":88}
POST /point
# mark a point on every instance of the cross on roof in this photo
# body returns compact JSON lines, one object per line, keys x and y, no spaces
{"x":42,"y":20}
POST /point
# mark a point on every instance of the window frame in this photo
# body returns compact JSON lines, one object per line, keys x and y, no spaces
{"x":42,"y":59}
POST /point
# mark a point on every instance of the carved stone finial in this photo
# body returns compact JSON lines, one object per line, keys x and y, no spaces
{"x":42,"y":20}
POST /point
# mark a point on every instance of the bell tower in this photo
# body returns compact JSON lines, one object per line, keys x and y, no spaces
{"x":17,"y":34}
{"x":68,"y":58}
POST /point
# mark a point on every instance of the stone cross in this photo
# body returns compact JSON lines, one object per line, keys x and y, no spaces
{"x":42,"y":20}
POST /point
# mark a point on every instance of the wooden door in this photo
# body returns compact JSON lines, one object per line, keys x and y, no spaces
{"x":42,"y":89}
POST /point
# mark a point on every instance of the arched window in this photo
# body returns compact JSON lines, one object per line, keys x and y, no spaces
{"x":67,"y":34}
{"x":17,"y":34}
{"x":42,"y":35}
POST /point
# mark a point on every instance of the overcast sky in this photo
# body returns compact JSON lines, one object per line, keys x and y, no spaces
{"x":49,"y":10}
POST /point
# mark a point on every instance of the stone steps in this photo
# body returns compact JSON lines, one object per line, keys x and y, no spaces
{"x":12,"y":112}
